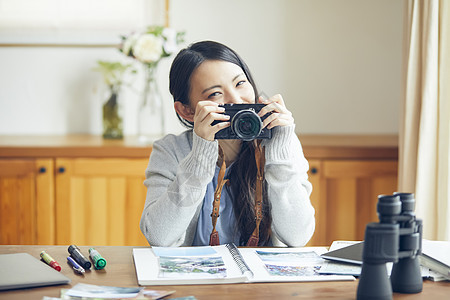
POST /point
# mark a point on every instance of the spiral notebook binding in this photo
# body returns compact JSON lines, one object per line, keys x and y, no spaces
{"x":236,"y":254}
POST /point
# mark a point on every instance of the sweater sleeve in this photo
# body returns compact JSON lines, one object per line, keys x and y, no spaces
{"x":288,"y":189}
{"x":176,"y":185}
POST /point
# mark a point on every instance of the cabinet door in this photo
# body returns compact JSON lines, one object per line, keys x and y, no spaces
{"x":26,"y":201}
{"x":314,"y":176}
{"x":345,"y":195}
{"x":351,"y":191}
{"x":100,"y":201}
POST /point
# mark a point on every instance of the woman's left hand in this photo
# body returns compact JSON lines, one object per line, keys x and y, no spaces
{"x":280,"y":115}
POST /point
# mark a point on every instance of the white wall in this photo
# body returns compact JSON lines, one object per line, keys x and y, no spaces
{"x":338,"y":65}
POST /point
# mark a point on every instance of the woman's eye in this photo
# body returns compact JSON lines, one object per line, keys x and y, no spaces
{"x":215,"y":94}
{"x":240,"y":83}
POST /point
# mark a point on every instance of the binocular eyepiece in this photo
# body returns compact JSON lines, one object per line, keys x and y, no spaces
{"x":396,"y":238}
{"x":393,"y":205}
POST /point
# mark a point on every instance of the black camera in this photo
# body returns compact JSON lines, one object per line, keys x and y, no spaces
{"x":396,"y":238}
{"x":245,"y":123}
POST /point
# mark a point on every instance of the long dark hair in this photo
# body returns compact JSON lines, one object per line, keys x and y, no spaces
{"x":243,"y":172}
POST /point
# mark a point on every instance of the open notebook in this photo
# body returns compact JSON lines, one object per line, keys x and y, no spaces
{"x":228,"y":264}
{"x":21,"y":270}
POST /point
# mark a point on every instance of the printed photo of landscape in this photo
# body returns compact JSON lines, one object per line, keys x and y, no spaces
{"x":280,"y":270}
{"x":291,"y":263}
{"x":191,"y":267}
{"x":289,"y":256}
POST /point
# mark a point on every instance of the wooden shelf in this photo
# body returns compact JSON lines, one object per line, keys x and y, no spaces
{"x":314,"y":146}
{"x":72,"y":146}
{"x":350,"y":146}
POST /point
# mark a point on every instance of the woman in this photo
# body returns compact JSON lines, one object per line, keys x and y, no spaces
{"x":184,"y":170}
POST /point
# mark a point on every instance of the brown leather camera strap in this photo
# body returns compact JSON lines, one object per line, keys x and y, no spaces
{"x":260,"y":163}
{"x":260,"y":159}
{"x":214,"y":237}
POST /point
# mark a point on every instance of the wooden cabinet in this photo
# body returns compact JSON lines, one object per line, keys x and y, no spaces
{"x":89,"y":191}
{"x":63,"y":201}
{"x":83,"y":191}
{"x":345,"y":195}
{"x":348,"y":173}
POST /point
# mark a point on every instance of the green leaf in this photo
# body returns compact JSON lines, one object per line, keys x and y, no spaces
{"x":112,"y":72}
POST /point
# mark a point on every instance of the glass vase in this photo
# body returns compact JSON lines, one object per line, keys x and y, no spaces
{"x":112,"y":117}
{"x":151,"y":122}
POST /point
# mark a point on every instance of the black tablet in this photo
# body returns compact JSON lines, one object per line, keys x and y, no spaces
{"x":349,"y":254}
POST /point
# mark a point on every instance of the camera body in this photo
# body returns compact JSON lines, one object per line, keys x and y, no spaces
{"x":245,"y":123}
{"x":396,"y":238}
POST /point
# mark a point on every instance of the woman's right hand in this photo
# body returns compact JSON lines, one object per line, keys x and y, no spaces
{"x":206,"y":112}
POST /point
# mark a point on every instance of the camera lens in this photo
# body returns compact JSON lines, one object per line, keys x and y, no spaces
{"x":246,"y":124}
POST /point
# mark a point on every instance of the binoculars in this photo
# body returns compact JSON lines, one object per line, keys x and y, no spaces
{"x":396,"y":238}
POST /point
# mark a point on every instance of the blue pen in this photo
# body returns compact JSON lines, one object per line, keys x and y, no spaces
{"x":75,"y":265}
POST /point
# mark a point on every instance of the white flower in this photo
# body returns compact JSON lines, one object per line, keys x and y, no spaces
{"x":170,"y":45}
{"x":151,"y":45}
{"x":128,"y":44}
{"x":148,"y":48}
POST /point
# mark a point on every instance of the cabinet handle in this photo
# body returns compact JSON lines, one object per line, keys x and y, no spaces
{"x":61,"y":169}
{"x":314,"y":171}
{"x":42,"y":170}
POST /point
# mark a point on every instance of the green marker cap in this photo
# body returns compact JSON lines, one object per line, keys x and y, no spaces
{"x":99,"y":261}
{"x":100,"y":264}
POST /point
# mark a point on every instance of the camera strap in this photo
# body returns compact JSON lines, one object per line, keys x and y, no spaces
{"x":260,"y":163}
{"x":260,"y":159}
{"x":214,"y":237}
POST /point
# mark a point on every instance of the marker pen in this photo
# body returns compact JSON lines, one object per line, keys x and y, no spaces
{"x":79,"y":257}
{"x":75,"y":265}
{"x":50,"y":261}
{"x":99,"y":261}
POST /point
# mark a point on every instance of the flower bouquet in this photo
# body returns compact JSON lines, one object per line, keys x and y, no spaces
{"x":149,"y":47}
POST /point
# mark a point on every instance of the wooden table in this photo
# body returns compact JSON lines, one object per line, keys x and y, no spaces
{"x":120,"y":271}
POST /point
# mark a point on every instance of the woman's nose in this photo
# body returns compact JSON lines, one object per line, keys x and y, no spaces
{"x":233,"y":97}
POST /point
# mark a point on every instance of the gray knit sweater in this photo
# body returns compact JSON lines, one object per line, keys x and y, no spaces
{"x":181,"y":166}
